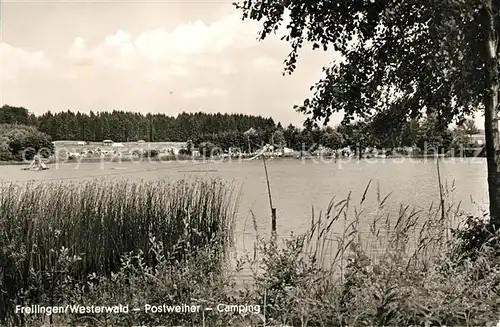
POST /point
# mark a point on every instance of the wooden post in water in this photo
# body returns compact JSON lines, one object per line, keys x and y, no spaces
{"x":273,"y":220}
{"x":273,"y":209}
{"x":441,"y":198}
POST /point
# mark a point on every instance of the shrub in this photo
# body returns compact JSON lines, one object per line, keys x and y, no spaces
{"x":475,"y":234}
{"x":150,"y":153}
{"x":209,"y":149}
{"x":19,"y":140}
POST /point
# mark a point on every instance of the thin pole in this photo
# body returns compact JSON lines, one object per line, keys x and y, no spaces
{"x":273,"y":209}
{"x":440,"y":188}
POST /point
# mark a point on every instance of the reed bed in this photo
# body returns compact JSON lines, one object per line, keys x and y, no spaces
{"x":373,"y":230}
{"x":52,"y":230}
{"x":356,"y":265}
{"x":410,"y":268}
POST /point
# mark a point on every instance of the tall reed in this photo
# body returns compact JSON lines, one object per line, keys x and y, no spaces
{"x":93,"y":224}
{"x":361,"y":264}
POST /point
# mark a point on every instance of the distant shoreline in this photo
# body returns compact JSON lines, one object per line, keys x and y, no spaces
{"x":108,"y":160}
{"x":201,"y":158}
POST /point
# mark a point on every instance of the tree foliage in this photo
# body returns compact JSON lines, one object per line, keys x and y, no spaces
{"x":17,"y":141}
{"x":469,"y":127}
{"x":384,"y":130}
{"x":432,"y":135}
{"x":123,"y":126}
{"x":209,"y":149}
{"x":388,"y":55}
{"x":332,"y":139}
{"x":431,"y":57}
{"x":279,"y":138}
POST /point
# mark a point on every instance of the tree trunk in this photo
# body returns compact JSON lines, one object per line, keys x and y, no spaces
{"x":491,"y":113}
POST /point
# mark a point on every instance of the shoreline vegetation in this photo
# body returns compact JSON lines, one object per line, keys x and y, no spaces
{"x":214,"y":134}
{"x":103,"y":243}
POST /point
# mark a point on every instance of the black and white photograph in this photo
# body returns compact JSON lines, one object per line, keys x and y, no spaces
{"x":249,"y":163}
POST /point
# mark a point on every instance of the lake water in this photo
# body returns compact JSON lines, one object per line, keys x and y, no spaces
{"x":297,"y":186}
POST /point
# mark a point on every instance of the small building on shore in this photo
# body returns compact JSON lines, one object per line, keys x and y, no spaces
{"x":478,"y":139}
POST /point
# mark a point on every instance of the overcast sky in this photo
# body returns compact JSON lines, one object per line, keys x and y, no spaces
{"x":147,"y":56}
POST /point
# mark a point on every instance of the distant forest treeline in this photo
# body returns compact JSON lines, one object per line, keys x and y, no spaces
{"x":383,"y":130}
{"x":123,"y":126}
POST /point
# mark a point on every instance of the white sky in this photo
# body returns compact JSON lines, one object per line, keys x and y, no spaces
{"x":148,"y":56}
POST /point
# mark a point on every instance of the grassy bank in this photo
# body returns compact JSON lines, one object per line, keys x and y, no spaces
{"x":136,"y":244}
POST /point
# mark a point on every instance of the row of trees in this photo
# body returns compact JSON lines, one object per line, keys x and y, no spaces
{"x":133,"y":126}
{"x":423,"y":133}
{"x":226,"y":131}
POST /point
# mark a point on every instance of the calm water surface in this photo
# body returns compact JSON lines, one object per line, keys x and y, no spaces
{"x":297,"y":186}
